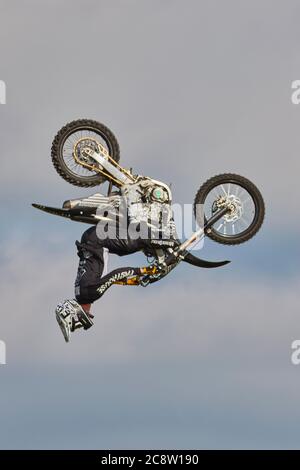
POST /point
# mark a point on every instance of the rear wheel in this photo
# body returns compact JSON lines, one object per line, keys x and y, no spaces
{"x":247,"y":209}
{"x":70,"y":138}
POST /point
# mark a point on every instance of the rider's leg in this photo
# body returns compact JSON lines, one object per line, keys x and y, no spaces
{"x":93,"y":259}
{"x":72,"y":314}
{"x":92,"y":279}
{"x":119,"y":274}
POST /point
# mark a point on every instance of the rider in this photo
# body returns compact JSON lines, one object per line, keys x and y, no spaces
{"x":92,"y":279}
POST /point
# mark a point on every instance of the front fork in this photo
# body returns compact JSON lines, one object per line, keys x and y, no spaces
{"x":178,"y":254}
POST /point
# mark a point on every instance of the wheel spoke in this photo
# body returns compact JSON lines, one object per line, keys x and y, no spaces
{"x":68,"y":148}
{"x":223,"y":189}
{"x":244,"y":213}
{"x":237,"y":190}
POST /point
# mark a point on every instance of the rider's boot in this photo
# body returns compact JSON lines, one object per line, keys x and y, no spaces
{"x":71,"y":316}
{"x":87,"y":309}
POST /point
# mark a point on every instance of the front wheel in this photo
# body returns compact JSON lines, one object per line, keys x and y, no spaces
{"x":247,"y":208}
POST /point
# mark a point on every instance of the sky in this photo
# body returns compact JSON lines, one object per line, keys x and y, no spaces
{"x":191,"y":89}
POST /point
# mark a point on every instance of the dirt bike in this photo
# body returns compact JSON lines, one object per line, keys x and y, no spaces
{"x":228,"y":208}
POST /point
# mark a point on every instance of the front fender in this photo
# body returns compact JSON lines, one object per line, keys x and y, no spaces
{"x":202,"y":263}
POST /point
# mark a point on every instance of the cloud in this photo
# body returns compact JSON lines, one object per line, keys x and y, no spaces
{"x":201,"y":360}
{"x":192,"y":315}
{"x":183,"y":110}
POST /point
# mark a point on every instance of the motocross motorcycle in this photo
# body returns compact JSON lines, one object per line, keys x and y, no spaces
{"x":228,"y":208}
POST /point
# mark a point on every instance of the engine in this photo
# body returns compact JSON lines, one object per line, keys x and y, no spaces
{"x":149,"y":201}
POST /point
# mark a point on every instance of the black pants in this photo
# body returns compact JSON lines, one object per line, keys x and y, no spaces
{"x":92,"y":281}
